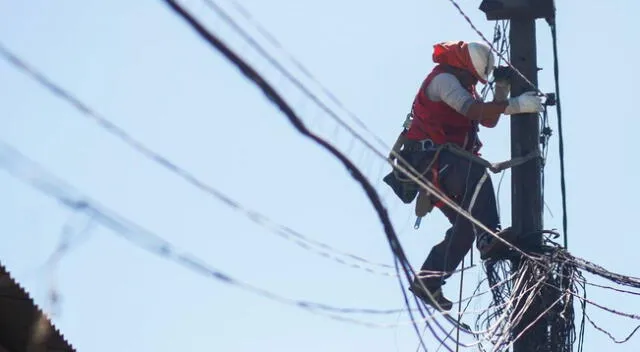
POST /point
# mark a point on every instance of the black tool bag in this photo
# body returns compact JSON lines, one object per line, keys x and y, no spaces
{"x":405,"y":188}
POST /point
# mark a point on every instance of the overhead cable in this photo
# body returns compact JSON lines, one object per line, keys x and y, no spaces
{"x":556,"y":72}
{"x":31,"y":173}
{"x":281,"y":230}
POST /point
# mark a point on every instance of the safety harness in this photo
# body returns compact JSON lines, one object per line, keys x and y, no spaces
{"x":425,"y":201}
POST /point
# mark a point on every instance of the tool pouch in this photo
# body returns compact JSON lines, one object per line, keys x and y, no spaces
{"x":405,"y":188}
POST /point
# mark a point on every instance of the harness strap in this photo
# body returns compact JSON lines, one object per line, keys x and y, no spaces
{"x":493,"y":167}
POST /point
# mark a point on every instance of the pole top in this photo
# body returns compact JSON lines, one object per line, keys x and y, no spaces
{"x":518,"y":9}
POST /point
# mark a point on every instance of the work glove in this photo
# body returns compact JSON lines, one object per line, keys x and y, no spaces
{"x":528,"y":102}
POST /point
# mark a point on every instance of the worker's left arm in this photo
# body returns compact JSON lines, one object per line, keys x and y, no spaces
{"x":500,"y":94}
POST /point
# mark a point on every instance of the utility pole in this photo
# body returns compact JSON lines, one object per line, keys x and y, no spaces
{"x":526,"y":179}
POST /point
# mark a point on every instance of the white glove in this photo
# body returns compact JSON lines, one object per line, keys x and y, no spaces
{"x":528,"y":102}
{"x":502,"y":90}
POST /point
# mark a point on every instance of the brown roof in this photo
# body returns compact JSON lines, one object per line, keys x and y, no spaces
{"x":23,"y":325}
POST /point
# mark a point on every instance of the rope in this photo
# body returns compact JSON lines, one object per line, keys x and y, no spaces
{"x":453,"y":148}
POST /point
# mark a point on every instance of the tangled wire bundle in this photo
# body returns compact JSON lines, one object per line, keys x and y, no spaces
{"x":539,"y":297}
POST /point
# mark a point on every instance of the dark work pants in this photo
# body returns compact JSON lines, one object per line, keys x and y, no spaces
{"x":460,"y":179}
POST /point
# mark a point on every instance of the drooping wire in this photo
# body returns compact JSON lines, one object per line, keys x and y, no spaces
{"x":396,"y":248}
{"x":31,"y":173}
{"x":269,"y":91}
{"x":283,"y":231}
{"x":556,"y":72}
{"x":104,"y":123}
{"x":116,"y":130}
{"x":273,"y":41}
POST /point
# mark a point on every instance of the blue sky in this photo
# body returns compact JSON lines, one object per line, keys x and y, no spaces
{"x":140,"y":66}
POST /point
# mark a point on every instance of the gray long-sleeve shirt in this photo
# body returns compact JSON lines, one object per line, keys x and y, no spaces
{"x":445,"y":87}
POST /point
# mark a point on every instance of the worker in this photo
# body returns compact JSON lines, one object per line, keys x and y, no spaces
{"x":448,"y":109}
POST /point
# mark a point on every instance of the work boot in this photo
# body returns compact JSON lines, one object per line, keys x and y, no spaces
{"x":491,"y":247}
{"x":440,"y":303}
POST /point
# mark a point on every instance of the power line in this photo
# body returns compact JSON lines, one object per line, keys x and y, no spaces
{"x":281,"y":230}
{"x":396,"y":248}
{"x":271,"y":38}
{"x":33,"y":174}
{"x":84,"y":108}
{"x":556,"y":72}
{"x":116,"y":224}
{"x":139,"y":147}
{"x":112,"y":128}
{"x":294,"y":80}
{"x":186,"y":175}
